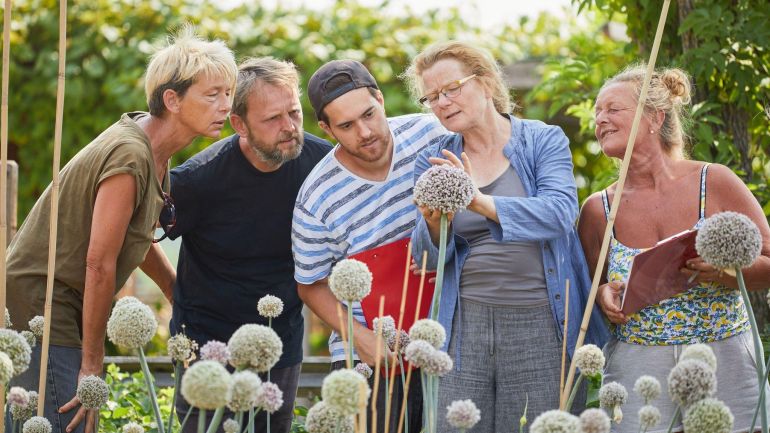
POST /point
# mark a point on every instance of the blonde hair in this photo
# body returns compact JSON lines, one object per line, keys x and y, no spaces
{"x":265,"y":70}
{"x":183,"y":59}
{"x":669,"y":92}
{"x":476,"y":60}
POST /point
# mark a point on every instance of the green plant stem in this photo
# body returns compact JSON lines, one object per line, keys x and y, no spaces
{"x":403,"y":388}
{"x":439,"y":267}
{"x":760,"y":403}
{"x":151,"y":390}
{"x":239,"y":419}
{"x":184,"y":421}
{"x":573,"y":393}
{"x":350,"y":335}
{"x":673,"y":419}
{"x":177,"y":381}
{"x":758,"y":352}
{"x":216,"y":420}
{"x":270,"y":325}
{"x":425,"y":402}
{"x":252,"y":413}
{"x":201,"y":420}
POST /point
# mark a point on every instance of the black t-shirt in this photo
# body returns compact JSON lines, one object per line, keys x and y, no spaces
{"x":235,"y":223}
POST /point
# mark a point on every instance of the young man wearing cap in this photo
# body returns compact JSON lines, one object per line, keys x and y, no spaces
{"x":358,"y":197}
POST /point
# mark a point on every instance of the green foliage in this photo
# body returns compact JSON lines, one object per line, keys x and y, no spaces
{"x":129,"y":402}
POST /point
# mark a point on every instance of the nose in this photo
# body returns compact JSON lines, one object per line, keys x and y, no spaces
{"x":224,"y":103}
{"x":447,"y":100}
{"x":364,"y":131}
{"x":288,"y":123}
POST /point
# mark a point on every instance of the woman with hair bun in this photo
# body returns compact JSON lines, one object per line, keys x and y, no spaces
{"x":666,"y":193}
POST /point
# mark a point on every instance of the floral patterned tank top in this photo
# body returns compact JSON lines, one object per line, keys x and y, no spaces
{"x":705,"y":313}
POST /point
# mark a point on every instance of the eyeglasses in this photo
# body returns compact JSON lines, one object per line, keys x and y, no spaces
{"x":451,"y":90}
{"x":167,"y":217}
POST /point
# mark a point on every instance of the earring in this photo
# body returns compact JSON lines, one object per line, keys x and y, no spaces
{"x":652,"y":131}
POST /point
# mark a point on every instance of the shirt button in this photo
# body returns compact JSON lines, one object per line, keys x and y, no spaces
{"x":550,"y":270}
{"x":558,"y":296}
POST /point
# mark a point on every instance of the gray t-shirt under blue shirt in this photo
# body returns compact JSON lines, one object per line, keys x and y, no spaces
{"x":500,"y":273}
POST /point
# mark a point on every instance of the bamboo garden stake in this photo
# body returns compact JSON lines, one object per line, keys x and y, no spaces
{"x":4,"y":164}
{"x":562,"y":397}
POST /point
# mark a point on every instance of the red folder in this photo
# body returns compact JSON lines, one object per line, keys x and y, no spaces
{"x":386,"y":264}
{"x":655,"y":273}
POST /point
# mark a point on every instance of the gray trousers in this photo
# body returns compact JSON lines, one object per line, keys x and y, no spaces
{"x":280,"y":421}
{"x":63,"y":369}
{"x":507,"y":354}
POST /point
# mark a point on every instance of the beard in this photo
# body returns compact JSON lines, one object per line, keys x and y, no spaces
{"x":272,"y":154}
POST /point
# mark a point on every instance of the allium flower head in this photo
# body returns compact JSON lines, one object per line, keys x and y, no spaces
{"x":17,"y":349}
{"x":729,"y":240}
{"x":269,"y":397}
{"x":8,"y":323}
{"x":388,"y":327}
{"x":206,"y":385}
{"x":37,"y":424}
{"x":403,"y":341}
{"x":231,"y":426}
{"x":321,"y":418}
{"x":444,"y":188}
{"x":36,"y":325}
{"x":133,"y":427}
{"x":29,"y":337}
{"x":132,"y":324}
{"x":428,"y":330}
{"x":647,"y":387}
{"x":6,"y":368}
{"x":555,"y":421}
{"x":217,"y":351}
{"x":419,"y":352}
{"x":363,"y":369}
{"x":649,"y":417}
{"x":350,"y":280}
{"x":341,"y":390}
{"x":23,"y":413}
{"x":244,"y":391}
{"x":594,"y":421}
{"x":18,"y":396}
{"x":708,"y":416}
{"x":700,"y":352}
{"x":181,"y":348}
{"x":270,"y":306}
{"x":462,"y":414}
{"x":438,"y":364}
{"x":92,"y":392}
{"x":690,"y":381}
{"x":589,"y":359}
{"x":612,"y":395}
{"x":255,"y":346}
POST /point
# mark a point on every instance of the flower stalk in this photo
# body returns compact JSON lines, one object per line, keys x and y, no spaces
{"x":759,"y":353}
{"x":440,"y":266}
{"x":151,"y":390}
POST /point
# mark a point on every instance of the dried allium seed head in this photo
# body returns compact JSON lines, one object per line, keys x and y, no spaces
{"x":444,"y":188}
{"x":181,"y":348}
{"x":363,"y":369}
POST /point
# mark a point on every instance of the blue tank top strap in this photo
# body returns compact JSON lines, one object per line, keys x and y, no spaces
{"x":702,"y":201}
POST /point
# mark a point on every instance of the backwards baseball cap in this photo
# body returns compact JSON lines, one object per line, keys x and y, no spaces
{"x":334,"y":79}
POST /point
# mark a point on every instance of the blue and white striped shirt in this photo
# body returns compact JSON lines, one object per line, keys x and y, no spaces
{"x":338,"y":214}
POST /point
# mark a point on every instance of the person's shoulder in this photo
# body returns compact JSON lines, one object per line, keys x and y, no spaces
{"x":593,"y":206}
{"x":721,"y":180}
{"x":205,"y":163}
{"x":415,"y":122}
{"x":315,"y":147}
{"x":321,"y":172}
{"x":538,"y":127}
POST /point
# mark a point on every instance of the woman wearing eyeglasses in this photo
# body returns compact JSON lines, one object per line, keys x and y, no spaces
{"x":514,"y":249}
{"x":111,"y":195}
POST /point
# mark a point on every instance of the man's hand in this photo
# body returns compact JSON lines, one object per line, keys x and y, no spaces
{"x":89,"y":415}
{"x":365,"y":342}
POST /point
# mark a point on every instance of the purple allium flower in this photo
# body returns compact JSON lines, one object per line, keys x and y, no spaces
{"x":462,"y":414}
{"x":215,"y":350}
{"x":270,"y":397}
{"x":445,"y":188}
{"x":18,"y":396}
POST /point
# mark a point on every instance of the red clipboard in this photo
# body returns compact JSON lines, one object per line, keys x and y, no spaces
{"x":655,"y":273}
{"x":386,"y":263}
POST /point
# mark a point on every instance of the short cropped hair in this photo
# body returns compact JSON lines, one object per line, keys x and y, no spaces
{"x":184,"y":58}
{"x":262,"y":70}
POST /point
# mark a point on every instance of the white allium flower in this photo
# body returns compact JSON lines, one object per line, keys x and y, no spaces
{"x":17,"y":349}
{"x":689,"y":381}
{"x":133,"y":427}
{"x":729,"y":240}
{"x":244,"y":391}
{"x":256,"y":347}
{"x":350,"y":280}
{"x":270,"y":397}
{"x":612,"y":395}
{"x":445,"y":188}
{"x":419,"y":352}
{"x":649,"y":417}
{"x":181,"y":348}
{"x":6,"y":369}
{"x":36,"y":325}
{"x":23,"y":413}
{"x":217,"y":351}
{"x":37,"y":424}
{"x":321,"y":418}
{"x":403,"y":341}
{"x":206,"y":385}
{"x":341,"y":390}
{"x":92,"y":392}
{"x":647,"y":387}
{"x":132,"y":324}
{"x":428,"y":330}
{"x":589,"y":359}
{"x":708,"y":416}
{"x":555,"y":421}
{"x":8,"y":323}
{"x":18,"y":396}
{"x":700,"y":352}
{"x":231,"y":426}
{"x":462,"y":414}
{"x":363,"y":369}
{"x":30,"y":337}
{"x":270,"y":306}
{"x":388,"y":327}
{"x":594,"y":421}
{"x":439,"y":364}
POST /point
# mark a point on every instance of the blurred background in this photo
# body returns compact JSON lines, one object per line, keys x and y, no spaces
{"x":555,"y":54}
